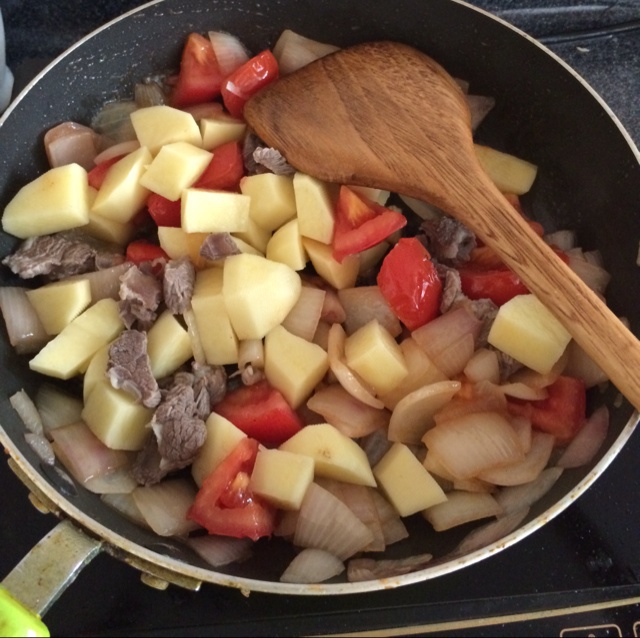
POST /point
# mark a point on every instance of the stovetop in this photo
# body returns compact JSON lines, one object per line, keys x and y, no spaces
{"x":578,"y":575}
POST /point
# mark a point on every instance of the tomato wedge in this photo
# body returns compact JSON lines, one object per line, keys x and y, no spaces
{"x":97,"y":174}
{"x":562,"y":413}
{"x":163,"y":211}
{"x":261,"y":412}
{"x":140,"y":250}
{"x":361,"y":224}
{"x":247,"y":80}
{"x":225,"y":505}
{"x":199,"y":79}
{"x":408,"y":280}
{"x":225,"y":170}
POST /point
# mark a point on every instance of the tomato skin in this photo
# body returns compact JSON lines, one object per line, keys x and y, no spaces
{"x":224,"y":505}
{"x":247,"y":80}
{"x":562,"y":413}
{"x":409,"y":282}
{"x":261,"y":412}
{"x":361,"y":224}
{"x":97,"y":174}
{"x":163,"y":211}
{"x":140,"y":251}
{"x":225,"y":170}
{"x":199,"y":79}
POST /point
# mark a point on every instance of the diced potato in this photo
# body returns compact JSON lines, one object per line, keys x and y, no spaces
{"x":176,"y":167}
{"x":339,"y":275}
{"x":255,"y":235}
{"x":286,"y":246}
{"x":222,"y":437}
{"x":293,"y":365}
{"x":121,"y":195}
{"x":217,"y":337}
{"x":314,"y":203}
{"x":96,"y":370}
{"x":221,"y":129}
{"x":527,"y":331}
{"x":70,"y":352}
{"x":405,"y":481}
{"x":281,"y":477}
{"x":206,"y":211}
{"x":177,"y":243}
{"x":258,"y":294}
{"x":116,"y":418}
{"x":374,"y":354}
{"x":168,"y":345}
{"x":335,"y":455}
{"x":363,"y":303}
{"x":509,"y":173}
{"x":109,"y":230}
{"x":156,"y":126}
{"x":56,"y":200}
{"x":272,"y":199}
{"x":59,"y":303}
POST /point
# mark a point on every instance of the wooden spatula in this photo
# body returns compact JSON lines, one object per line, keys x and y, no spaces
{"x":385,"y":115}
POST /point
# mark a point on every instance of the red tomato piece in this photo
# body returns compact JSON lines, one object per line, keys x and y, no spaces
{"x":97,"y":174}
{"x":140,"y":250}
{"x":247,"y":80}
{"x":261,"y":412}
{"x":498,"y":284}
{"x":225,"y":170}
{"x":361,"y":224}
{"x":199,"y":79}
{"x":224,"y":504}
{"x":562,"y":413}
{"x":163,"y":211}
{"x":409,"y":282}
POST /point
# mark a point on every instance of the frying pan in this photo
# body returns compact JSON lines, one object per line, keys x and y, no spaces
{"x":589,"y":181}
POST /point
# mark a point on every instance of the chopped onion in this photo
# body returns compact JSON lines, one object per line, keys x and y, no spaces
{"x":582,"y":366}
{"x":523,"y":391}
{"x":321,"y":335}
{"x":165,"y":506}
{"x":286,"y":524}
{"x":41,"y":446}
{"x":538,"y":380}
{"x":117,"y":150}
{"x":21,"y":402}
{"x":229,"y":50}
{"x":433,"y":465}
{"x":303,"y":318}
{"x":526,"y":470}
{"x":563,"y":239}
{"x":445,"y":331}
{"x":592,"y":274}
{"x":114,"y":121}
{"x":393,"y":528}
{"x":585,"y":445}
{"x":194,"y":334}
{"x":486,"y":397}
{"x":24,"y":328}
{"x":118,"y":481}
{"x":519,"y":496}
{"x":84,"y":455}
{"x":148,"y":94}
{"x":312,"y":566}
{"x":57,"y":407}
{"x":294,"y":51}
{"x":352,"y":417}
{"x":452,"y":360}
{"x":472,"y":485}
{"x":524,"y":430}
{"x":251,"y":353}
{"x":364,"y":303}
{"x":483,"y":366}
{"x":220,"y":550}
{"x":460,"y":508}
{"x":125,"y":505}
{"x":346,"y":377}
{"x":475,"y":442}
{"x":325,"y":522}
{"x":491,"y":532}
{"x":332,"y":310}
{"x":104,"y":284}
{"x":360,"y":569}
{"x":479,"y":106}
{"x":71,"y":143}
{"x":414,"y":414}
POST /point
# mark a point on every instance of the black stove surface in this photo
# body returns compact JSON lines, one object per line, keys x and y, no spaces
{"x":578,"y":575}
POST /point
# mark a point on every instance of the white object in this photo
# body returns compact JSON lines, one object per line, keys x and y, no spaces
{"x":6,"y":77}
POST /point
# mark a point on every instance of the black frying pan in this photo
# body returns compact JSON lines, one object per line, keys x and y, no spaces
{"x":589,"y":181}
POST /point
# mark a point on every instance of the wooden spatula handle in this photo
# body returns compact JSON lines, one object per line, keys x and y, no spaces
{"x":587,"y":318}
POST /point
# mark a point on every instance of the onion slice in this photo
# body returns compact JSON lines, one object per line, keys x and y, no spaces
{"x":491,"y":532}
{"x":220,"y":550}
{"x":360,"y":569}
{"x":460,"y":508}
{"x":57,"y":407}
{"x":230,"y":52}
{"x":71,"y":143}
{"x":294,"y":51}
{"x":26,"y":409}
{"x":312,"y":566}
{"x":303,"y":318}
{"x":519,"y":496}
{"x":24,"y":328}
{"x":585,"y":445}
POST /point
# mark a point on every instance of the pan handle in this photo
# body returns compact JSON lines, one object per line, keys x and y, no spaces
{"x":41,"y":576}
